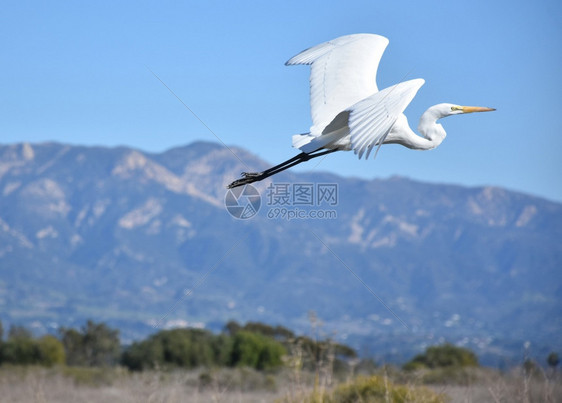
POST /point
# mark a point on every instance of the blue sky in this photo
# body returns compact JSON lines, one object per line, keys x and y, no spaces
{"x":76,"y":72}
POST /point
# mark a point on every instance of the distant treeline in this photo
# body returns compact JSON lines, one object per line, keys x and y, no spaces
{"x":22,"y":349}
{"x":254,"y":345}
{"x":95,"y":344}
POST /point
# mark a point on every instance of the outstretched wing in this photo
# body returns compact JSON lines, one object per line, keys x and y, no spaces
{"x":343,"y":72}
{"x":371,"y":119}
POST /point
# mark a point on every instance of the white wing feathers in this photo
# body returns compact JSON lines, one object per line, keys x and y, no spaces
{"x":364,"y":125}
{"x":343,"y":72}
{"x":347,"y":110}
{"x":371,"y":119}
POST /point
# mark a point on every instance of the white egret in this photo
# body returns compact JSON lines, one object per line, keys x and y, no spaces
{"x":350,"y":113}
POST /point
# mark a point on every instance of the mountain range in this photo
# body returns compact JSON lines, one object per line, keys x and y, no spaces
{"x":144,"y":241}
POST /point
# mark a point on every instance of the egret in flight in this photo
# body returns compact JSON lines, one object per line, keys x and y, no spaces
{"x":350,"y":113}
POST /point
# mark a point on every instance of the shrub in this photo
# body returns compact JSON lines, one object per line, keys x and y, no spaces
{"x":186,"y":348}
{"x":19,"y":351}
{"x":23,"y":350}
{"x":373,"y":389}
{"x":50,"y":351}
{"x":256,"y":351}
{"x":445,"y":355}
{"x":94,"y":345}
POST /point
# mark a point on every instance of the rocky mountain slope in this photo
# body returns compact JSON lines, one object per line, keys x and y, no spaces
{"x":144,"y":241}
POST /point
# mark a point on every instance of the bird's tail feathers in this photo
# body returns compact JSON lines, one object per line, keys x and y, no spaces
{"x":300,"y":140}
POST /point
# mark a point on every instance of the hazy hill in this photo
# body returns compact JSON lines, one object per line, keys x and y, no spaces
{"x":121,"y":235}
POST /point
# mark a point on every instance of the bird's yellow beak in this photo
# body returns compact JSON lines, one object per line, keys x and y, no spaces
{"x":470,"y":109}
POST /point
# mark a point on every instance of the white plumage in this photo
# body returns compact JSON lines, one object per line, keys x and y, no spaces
{"x":350,"y":113}
{"x":343,"y":85}
{"x":342,"y":72}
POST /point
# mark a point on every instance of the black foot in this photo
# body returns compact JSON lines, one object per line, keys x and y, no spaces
{"x":247,"y":177}
{"x":251,"y":174}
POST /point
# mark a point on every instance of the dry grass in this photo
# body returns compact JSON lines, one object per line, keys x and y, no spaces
{"x":488,"y":385}
{"x":19,"y":384}
{"x":34,"y":384}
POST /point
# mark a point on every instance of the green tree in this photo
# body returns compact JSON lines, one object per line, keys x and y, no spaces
{"x":19,"y":348}
{"x":446,"y":355}
{"x":279,"y":333}
{"x":256,"y":351}
{"x":271,"y":355}
{"x":178,"y":348}
{"x":95,"y":345}
{"x":341,"y":350}
{"x":232,"y":327}
{"x":143,"y":355}
{"x":187,"y":348}
{"x":22,"y":349}
{"x":246,"y":349}
{"x":19,"y":351}
{"x":50,"y":351}
{"x":255,"y":345}
{"x":101,"y":344}
{"x":73,"y":346}
{"x":221,"y":346}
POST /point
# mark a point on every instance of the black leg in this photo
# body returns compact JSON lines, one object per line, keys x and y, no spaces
{"x":250,"y":177}
{"x":299,"y":157}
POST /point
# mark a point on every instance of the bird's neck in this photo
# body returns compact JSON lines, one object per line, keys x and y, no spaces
{"x":432,"y":132}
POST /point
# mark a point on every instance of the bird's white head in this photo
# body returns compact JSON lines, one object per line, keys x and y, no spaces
{"x":444,"y":110}
{"x":433,"y":131}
